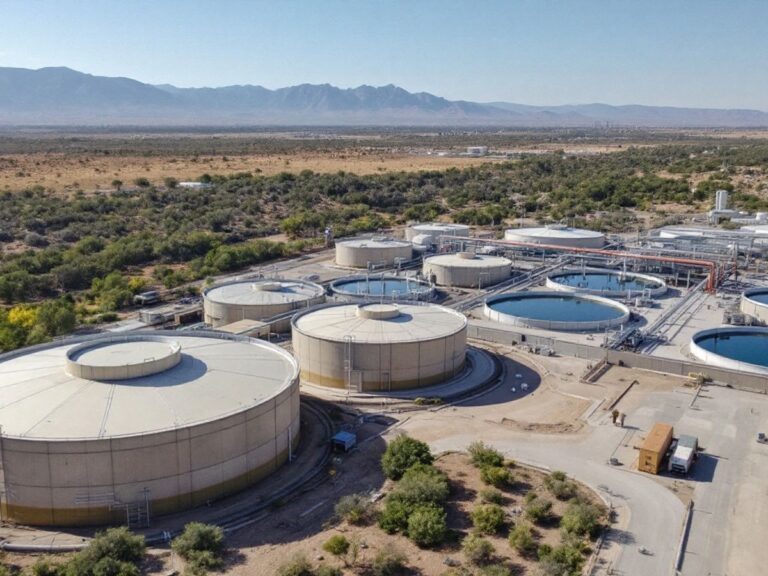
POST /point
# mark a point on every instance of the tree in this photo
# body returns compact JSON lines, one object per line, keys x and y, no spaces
{"x":201,"y":546}
{"x":488,"y":518}
{"x":477,"y":549}
{"x":521,"y":539}
{"x":170,"y":182}
{"x":117,"y":184}
{"x":402,"y":453}
{"x":582,"y":519}
{"x":427,"y":525}
{"x":538,"y":509}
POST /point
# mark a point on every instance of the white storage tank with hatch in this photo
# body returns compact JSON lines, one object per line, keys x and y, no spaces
{"x":360,"y":253}
{"x":257,"y":299}
{"x":153,"y":421}
{"x":379,"y":347}
{"x":466,"y":270}
{"x":430,"y":232}
{"x":557,"y":235}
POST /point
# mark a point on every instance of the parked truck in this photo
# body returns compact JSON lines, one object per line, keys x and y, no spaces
{"x":684,"y":455}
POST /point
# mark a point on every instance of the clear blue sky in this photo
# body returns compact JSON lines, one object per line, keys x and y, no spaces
{"x":661,"y":52}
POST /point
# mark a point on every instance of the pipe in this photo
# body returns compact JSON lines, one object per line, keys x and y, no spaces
{"x":712,"y":278}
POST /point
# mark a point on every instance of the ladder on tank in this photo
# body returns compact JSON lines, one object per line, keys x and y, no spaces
{"x":352,"y":376}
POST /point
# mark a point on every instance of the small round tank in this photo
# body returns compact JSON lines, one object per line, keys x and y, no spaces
{"x":467,"y":270}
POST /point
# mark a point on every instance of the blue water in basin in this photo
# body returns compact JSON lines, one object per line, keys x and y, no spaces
{"x":560,"y":308}
{"x":604,"y":282}
{"x":749,"y":347}
{"x":381,"y":287}
{"x":762,"y":297}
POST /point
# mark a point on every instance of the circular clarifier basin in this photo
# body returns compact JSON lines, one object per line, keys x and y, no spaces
{"x":378,"y":287}
{"x":742,"y":348}
{"x":556,"y":311}
{"x":609,"y":283}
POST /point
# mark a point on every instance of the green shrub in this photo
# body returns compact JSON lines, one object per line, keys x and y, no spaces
{"x":497,"y":476}
{"x":538,"y":509}
{"x":389,"y":561}
{"x":354,"y":508}
{"x":560,"y":486}
{"x":582,"y":519}
{"x":562,"y":561}
{"x":402,"y":453}
{"x":47,"y":567}
{"x":324,"y":570}
{"x":477,"y":550}
{"x":337,"y":545}
{"x":484,"y":455}
{"x":394,"y":517}
{"x":422,"y":484}
{"x":427,"y":525}
{"x":491,"y":496}
{"x":521,"y":539}
{"x":488,"y":518}
{"x":201,"y":546}
{"x":495,"y":570}
{"x":298,"y":565}
{"x":543,"y":551}
{"x":113,"y":552}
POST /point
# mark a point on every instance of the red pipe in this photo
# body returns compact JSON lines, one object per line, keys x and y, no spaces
{"x":712,"y":279}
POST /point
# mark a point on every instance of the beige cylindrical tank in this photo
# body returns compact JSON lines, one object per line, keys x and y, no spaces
{"x":557,"y":235}
{"x":433,"y":231}
{"x":379,"y":347}
{"x":257,"y":300}
{"x":151,"y":423}
{"x":467,"y":270}
{"x":376,"y":251}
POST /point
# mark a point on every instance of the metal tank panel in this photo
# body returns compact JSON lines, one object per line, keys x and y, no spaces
{"x":257,"y":300}
{"x":361,"y":253}
{"x":379,"y":347}
{"x":467,"y":270}
{"x":76,"y":451}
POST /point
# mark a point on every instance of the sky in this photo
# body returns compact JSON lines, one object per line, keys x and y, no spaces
{"x":699,"y":53}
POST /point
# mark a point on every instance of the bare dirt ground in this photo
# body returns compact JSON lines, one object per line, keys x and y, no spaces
{"x":67,"y":172}
{"x":292,"y":535}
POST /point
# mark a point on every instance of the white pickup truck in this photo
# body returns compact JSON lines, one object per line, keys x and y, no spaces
{"x":685,"y":453}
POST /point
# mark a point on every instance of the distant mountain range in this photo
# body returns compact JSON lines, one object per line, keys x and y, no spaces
{"x":65,"y":97}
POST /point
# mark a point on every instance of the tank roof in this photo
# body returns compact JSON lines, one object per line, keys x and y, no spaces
{"x":439,"y":226}
{"x":69,"y":389}
{"x":262,"y":292}
{"x":556,"y":232}
{"x":461,"y":259}
{"x":374,"y":243}
{"x":380,"y":323}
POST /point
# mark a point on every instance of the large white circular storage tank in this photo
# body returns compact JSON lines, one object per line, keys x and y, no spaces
{"x":379,"y":347}
{"x":432,"y":231}
{"x":467,"y":270}
{"x":257,"y":300}
{"x":557,"y":235}
{"x":360,"y":253}
{"x":157,"y":423}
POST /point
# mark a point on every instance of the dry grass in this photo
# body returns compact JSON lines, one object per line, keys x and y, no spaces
{"x":67,"y":172}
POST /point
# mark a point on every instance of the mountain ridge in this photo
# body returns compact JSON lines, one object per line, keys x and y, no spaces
{"x":60,"y":96}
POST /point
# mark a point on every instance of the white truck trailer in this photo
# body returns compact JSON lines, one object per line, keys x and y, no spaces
{"x":685,"y":453}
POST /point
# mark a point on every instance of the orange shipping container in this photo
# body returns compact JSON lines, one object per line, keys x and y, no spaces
{"x":654,"y":447}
